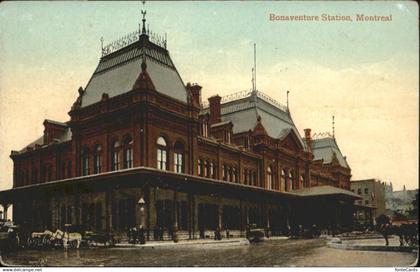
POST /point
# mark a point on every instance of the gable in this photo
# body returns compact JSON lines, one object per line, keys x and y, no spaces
{"x":291,"y":141}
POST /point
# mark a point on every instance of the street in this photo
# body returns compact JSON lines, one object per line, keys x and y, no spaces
{"x":314,"y":252}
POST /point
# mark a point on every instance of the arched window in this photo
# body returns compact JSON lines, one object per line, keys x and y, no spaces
{"x":63,"y":170}
{"x":34,"y":175}
{"x":230,"y":173}
{"x":179,"y":157}
{"x":302,"y":180}
{"x":246,"y":176}
{"x":291,"y":181}
{"x":68,"y":169}
{"x":212,"y":172}
{"x":97,"y":159}
{"x":250,"y":179}
{"x":115,"y":156}
{"x":85,"y":161}
{"x":235,"y":175}
{"x":200,"y":167}
{"x":161,"y":154}
{"x":225,"y":172}
{"x":205,"y":168}
{"x":128,"y":153}
{"x":49,"y":172}
{"x":27,"y":177}
{"x":283,"y":179}
{"x":269,"y":178}
{"x":44,"y":173}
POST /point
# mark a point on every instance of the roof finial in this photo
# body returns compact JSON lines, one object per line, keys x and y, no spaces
{"x":143,"y":12}
{"x":102,"y":46}
{"x":287,"y":99}
{"x":255,"y":67}
{"x":333,"y":127}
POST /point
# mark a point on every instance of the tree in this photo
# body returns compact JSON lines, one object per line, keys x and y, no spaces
{"x":415,"y":206}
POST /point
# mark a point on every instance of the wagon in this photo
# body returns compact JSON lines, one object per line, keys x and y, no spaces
{"x":95,"y":238}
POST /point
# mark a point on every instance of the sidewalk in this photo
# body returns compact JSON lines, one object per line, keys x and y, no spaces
{"x":208,"y":243}
{"x":370,"y":245}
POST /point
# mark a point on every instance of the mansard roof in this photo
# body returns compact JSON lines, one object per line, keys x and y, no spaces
{"x":118,"y":71}
{"x":325,"y":148}
{"x":243,"y":110}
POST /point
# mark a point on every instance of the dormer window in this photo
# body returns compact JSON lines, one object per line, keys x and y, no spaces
{"x":204,"y":128}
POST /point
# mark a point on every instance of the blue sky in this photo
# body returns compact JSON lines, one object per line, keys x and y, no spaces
{"x":365,"y":73}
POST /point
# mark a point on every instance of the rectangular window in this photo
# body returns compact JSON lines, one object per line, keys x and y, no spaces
{"x":366,"y":191}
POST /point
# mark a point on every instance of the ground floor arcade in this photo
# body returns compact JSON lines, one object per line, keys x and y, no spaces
{"x":164,"y":203}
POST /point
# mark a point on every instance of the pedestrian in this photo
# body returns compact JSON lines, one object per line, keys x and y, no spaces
{"x":141,"y":237}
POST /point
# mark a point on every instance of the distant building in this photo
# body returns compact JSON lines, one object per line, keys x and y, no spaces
{"x":400,"y":201}
{"x":373,"y":198}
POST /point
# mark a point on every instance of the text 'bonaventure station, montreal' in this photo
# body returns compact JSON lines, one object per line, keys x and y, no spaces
{"x":142,"y":149}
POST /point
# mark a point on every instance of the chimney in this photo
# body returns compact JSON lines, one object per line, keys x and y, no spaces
{"x":214,"y":102}
{"x":308,"y":138}
{"x":195,"y":90}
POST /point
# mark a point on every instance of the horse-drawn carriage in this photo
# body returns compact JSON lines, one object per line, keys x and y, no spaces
{"x":93,"y":238}
{"x":9,"y":236}
{"x":73,"y":236}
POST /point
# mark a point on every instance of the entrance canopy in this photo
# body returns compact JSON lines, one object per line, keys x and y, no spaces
{"x":325,"y":191}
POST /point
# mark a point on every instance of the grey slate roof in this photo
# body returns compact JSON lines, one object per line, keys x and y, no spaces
{"x":40,"y":141}
{"x":324,"y":149}
{"x":243,"y":113}
{"x":116,"y":73}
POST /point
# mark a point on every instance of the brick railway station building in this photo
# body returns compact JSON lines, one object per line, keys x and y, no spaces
{"x":141,"y":148}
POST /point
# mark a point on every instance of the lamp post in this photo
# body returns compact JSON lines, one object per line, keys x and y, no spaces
{"x":142,"y":205}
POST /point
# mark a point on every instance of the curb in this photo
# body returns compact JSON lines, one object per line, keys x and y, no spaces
{"x":372,"y":248}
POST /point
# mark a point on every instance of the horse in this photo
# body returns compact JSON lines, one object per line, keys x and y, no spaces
{"x":68,"y":238}
{"x":410,"y":234}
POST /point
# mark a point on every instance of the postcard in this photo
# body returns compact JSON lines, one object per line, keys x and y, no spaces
{"x":209,"y":134}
